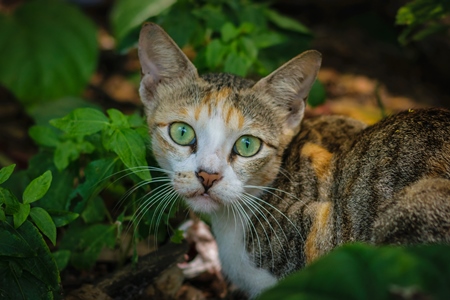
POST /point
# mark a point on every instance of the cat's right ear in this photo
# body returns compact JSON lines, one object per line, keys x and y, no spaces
{"x":162,"y":61}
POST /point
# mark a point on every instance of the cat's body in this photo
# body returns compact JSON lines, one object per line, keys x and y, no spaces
{"x":281,"y":191}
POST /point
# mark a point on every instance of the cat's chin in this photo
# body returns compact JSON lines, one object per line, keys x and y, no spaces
{"x":203,"y":203}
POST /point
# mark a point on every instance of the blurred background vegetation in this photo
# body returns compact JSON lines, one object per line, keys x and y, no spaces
{"x":68,"y":66}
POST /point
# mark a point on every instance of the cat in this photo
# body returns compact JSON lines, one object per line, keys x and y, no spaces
{"x":281,"y":190}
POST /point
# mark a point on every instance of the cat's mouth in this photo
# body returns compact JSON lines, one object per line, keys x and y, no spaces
{"x":204,"y":203}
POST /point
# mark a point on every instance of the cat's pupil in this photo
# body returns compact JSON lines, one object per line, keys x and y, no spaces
{"x":183,"y":131}
{"x":247,"y":143}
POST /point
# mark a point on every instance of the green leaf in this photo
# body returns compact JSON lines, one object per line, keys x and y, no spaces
{"x":131,"y":149}
{"x":215,"y":52}
{"x":44,"y":135}
{"x":286,"y":22}
{"x":2,"y":215}
{"x":62,"y":217}
{"x":86,"y":243}
{"x":37,"y":188}
{"x":118,"y":119}
{"x":96,"y":173}
{"x":128,"y":14}
{"x":11,"y":202}
{"x":27,"y":269}
{"x":20,"y":216}
{"x":12,"y":244}
{"x":177,"y":237}
{"x":237,"y":64}
{"x":62,"y":258}
{"x":49,"y":49}
{"x":229,"y":32}
{"x":82,"y":122}
{"x":359,"y":271}
{"x":6,"y":172}
{"x":44,"y":222}
{"x":317,"y":95}
{"x":249,"y":48}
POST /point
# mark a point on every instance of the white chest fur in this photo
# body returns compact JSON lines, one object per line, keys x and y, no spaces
{"x":235,"y":260}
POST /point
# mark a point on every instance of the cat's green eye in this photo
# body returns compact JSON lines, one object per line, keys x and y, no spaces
{"x":182,"y":134}
{"x":247,"y":146}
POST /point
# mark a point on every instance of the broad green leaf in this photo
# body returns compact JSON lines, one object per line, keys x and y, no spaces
{"x":62,"y":217}
{"x":37,"y":188}
{"x":215,"y":52}
{"x":118,"y":119}
{"x":44,"y":135}
{"x":86,"y":243}
{"x":12,"y":205}
{"x":2,"y":215}
{"x":44,"y":222}
{"x":69,"y":151}
{"x":49,"y":49}
{"x":6,"y":172}
{"x":62,"y":258}
{"x":27,"y":269}
{"x":82,"y":122}
{"x":268,"y":39}
{"x":285,"y":22}
{"x":249,"y":48}
{"x":131,"y":149}
{"x":12,"y":244}
{"x":128,"y":14}
{"x":237,"y":64}
{"x":229,"y":32}
{"x":213,"y":16}
{"x":361,"y":271}
{"x":20,"y":216}
{"x":317,"y":95}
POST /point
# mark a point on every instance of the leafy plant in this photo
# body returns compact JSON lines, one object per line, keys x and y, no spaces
{"x":360,"y":271}
{"x":240,"y":37}
{"x":48,"y":50}
{"x":423,"y":18}
{"x":27,"y":268}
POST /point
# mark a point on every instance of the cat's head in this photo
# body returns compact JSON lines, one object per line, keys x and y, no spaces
{"x":220,"y":137}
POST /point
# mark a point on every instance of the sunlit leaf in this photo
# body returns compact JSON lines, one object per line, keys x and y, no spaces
{"x":131,"y":149}
{"x":37,"y":188}
{"x":81,"y":122}
{"x":20,"y":216}
{"x":6,"y":172}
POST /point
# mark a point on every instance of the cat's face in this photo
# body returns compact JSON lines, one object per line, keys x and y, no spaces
{"x":218,"y":145}
{"x":220,"y":138}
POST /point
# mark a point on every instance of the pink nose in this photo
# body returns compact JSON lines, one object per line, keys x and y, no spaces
{"x":208,"y":179}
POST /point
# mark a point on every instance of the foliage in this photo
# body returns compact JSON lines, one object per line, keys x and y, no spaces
{"x":27,"y":268}
{"x":423,"y":18}
{"x":48,"y":50}
{"x":239,"y":37}
{"x":359,"y":271}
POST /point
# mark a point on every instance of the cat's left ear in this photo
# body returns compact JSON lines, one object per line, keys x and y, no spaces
{"x":289,"y":86}
{"x":162,"y":61}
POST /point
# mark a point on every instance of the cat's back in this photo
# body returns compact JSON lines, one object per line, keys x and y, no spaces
{"x":384,"y":159}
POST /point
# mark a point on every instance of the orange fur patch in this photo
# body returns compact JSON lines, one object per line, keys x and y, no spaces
{"x":320,"y":158}
{"x":312,"y":244}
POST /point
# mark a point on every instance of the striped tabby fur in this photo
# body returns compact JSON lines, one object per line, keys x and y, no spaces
{"x":313,"y":185}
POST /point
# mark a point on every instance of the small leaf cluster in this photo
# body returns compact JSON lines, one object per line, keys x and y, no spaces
{"x":27,"y":268}
{"x":423,"y":18}
{"x":361,"y":271}
{"x":241,"y":37}
{"x":95,"y":158}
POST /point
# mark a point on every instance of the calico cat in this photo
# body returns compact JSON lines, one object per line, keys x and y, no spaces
{"x":282,"y":191}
